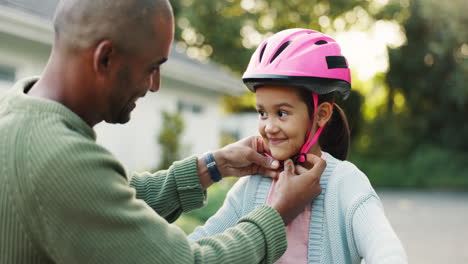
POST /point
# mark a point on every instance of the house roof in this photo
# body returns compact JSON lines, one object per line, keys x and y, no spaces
{"x":31,"y":19}
{"x":43,"y":8}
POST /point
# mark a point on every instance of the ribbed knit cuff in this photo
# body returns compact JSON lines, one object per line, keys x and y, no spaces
{"x":272,"y":226}
{"x":188,"y":184}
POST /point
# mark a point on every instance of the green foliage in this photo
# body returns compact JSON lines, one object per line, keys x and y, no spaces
{"x":216,"y":195}
{"x":427,"y":166}
{"x":431,"y":72}
{"x":229,"y":31}
{"x":227,"y":138}
{"x":169,"y":139}
{"x":239,"y":104}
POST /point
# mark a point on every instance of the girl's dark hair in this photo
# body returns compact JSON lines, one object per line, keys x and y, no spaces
{"x":335,"y":136}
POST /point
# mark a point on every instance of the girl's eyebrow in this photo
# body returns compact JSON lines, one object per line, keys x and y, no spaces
{"x":284,"y":104}
{"x":277,"y":105}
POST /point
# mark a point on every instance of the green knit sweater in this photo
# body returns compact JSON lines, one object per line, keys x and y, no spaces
{"x":65,"y":199}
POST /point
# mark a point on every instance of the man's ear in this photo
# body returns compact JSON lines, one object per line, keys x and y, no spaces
{"x":324,"y":113}
{"x":104,"y":57}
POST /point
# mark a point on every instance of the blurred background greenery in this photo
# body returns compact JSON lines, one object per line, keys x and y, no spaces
{"x":409,"y":107}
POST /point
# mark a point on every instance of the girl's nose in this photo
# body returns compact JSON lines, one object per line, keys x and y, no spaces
{"x":271,"y":126}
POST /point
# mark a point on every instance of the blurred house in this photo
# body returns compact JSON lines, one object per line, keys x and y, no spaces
{"x":240,"y":125}
{"x":188,"y":86}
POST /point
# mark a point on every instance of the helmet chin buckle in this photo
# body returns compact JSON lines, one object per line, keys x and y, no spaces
{"x":299,"y":158}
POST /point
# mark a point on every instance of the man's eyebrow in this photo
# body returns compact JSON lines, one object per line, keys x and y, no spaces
{"x":163,"y":60}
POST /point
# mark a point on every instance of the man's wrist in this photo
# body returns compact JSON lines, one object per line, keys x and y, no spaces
{"x":203,"y":172}
{"x":213,"y":170}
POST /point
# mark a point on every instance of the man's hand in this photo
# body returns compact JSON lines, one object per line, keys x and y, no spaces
{"x":297,"y":187}
{"x":241,"y":158}
{"x":245,"y":157}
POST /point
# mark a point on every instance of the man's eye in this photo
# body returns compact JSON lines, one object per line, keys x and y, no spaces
{"x":154,"y":69}
{"x":282,"y":113}
{"x":261,"y":113}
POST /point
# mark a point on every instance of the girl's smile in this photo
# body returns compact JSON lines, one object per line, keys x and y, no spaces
{"x":283,"y":120}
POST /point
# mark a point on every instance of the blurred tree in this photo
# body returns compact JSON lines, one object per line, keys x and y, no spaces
{"x":352,"y":107}
{"x":229,"y":31}
{"x":169,"y":139}
{"x":429,"y":75}
{"x":239,"y":104}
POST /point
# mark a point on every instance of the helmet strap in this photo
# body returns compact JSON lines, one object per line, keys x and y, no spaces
{"x":311,"y":139}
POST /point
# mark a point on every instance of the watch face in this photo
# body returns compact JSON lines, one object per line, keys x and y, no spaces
{"x":215,"y":175}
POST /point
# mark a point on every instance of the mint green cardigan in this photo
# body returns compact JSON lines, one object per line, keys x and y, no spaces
{"x":347,"y":220}
{"x":65,"y":199}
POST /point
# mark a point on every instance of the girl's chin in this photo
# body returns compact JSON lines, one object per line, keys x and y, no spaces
{"x":280,"y":155}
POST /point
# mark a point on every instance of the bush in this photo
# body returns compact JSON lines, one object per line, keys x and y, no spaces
{"x":216,"y":195}
{"x":425,"y":167}
{"x":169,"y":139}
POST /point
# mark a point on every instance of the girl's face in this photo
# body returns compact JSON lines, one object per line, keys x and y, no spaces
{"x":283,"y":120}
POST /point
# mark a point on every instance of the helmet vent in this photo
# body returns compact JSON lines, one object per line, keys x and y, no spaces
{"x":261,"y":52}
{"x":281,"y":48}
{"x":321,"y":42}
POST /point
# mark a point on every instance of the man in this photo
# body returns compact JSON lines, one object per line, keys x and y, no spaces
{"x":65,"y":199}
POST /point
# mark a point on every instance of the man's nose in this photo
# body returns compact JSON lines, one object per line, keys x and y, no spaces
{"x":154,"y":82}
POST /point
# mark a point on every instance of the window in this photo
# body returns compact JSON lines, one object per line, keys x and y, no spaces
{"x":7,"y":73}
{"x":189,"y":107}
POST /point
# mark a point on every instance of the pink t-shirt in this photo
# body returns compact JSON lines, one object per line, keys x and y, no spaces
{"x":297,"y":235}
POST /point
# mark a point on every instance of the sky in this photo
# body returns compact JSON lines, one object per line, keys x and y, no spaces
{"x":367,"y":51}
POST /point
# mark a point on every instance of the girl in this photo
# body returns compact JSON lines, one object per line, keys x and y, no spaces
{"x":295,"y":75}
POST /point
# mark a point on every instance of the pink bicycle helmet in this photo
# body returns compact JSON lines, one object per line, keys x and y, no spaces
{"x":302,"y":58}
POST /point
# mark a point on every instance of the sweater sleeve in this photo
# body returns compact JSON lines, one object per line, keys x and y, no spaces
{"x":227,"y":216}
{"x":171,"y":192}
{"x":375,"y":240}
{"x":81,"y":209}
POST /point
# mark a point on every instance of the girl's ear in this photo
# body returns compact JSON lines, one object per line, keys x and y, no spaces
{"x":324,"y":113}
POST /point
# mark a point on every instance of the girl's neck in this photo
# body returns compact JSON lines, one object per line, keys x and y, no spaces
{"x":315,"y":150}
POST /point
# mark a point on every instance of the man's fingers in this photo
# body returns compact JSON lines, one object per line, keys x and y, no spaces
{"x":289,"y":167}
{"x":269,"y":173}
{"x":315,"y":160}
{"x":300,"y":169}
{"x":265,"y":146}
{"x":258,"y":144}
{"x":263,"y":161}
{"x":315,"y":172}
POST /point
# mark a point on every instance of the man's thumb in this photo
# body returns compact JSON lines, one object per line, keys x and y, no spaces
{"x":265,"y":161}
{"x":289,"y":167}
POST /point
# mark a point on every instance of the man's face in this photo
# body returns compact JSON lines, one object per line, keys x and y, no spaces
{"x":283,"y":120}
{"x":139,"y":72}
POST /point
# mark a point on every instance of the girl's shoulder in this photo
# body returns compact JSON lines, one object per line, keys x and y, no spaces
{"x":249,"y":192}
{"x":348,"y":181}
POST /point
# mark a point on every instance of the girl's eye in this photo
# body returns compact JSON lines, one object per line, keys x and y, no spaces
{"x":282,"y":113}
{"x":261,"y":113}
